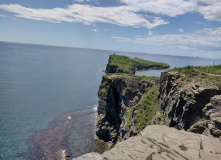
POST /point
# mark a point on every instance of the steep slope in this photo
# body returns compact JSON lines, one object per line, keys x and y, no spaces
{"x":191,"y":99}
{"x":120,"y":105}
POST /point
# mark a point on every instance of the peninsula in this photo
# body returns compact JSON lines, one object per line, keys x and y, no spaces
{"x":125,"y":64}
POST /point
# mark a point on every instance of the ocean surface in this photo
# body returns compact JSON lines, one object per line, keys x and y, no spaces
{"x":48,"y":97}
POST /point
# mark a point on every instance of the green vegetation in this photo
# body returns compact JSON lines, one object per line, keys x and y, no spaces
{"x":203,"y":119}
{"x":128,"y":116}
{"x":211,"y":69}
{"x":104,"y":90}
{"x":164,"y":116}
{"x":129,"y":65}
{"x":147,"y":108}
{"x":210,"y":75}
{"x":188,"y":70}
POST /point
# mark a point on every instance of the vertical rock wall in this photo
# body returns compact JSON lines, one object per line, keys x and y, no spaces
{"x":190,"y":106}
{"x":116,"y":95}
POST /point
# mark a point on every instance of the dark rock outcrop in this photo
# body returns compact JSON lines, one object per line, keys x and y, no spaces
{"x":116,"y":95}
{"x":190,"y":106}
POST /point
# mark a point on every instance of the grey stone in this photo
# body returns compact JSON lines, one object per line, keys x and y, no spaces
{"x":90,"y":156}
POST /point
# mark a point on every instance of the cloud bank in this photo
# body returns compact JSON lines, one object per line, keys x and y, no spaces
{"x":87,"y":14}
{"x":205,"y":39}
{"x":132,"y":13}
{"x":210,"y":9}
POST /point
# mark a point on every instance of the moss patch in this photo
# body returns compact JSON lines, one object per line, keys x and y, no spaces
{"x":104,"y":90}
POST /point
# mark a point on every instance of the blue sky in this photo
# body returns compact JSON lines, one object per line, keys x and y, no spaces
{"x":172,"y":27}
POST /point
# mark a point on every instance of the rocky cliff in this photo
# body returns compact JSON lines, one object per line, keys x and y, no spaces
{"x":161,"y":142}
{"x":185,"y":99}
{"x":191,"y":101}
{"x":120,"y":98}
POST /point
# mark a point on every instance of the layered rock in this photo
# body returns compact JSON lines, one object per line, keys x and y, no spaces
{"x":161,"y":142}
{"x":116,"y":95}
{"x":192,"y":106}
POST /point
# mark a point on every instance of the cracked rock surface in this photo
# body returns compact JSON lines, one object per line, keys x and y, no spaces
{"x":162,"y":142}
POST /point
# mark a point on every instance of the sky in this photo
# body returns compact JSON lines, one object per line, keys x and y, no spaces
{"x":169,"y":27}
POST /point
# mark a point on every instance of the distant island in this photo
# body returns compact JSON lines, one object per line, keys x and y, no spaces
{"x":125,"y":64}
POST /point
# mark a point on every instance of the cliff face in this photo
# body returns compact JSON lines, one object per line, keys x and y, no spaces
{"x":111,"y":68}
{"x":188,"y":98}
{"x":192,"y":105}
{"x":118,"y":97}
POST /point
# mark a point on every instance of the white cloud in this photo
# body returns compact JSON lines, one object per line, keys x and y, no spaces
{"x":150,"y":33}
{"x":133,"y":13}
{"x":205,"y":39}
{"x":94,"y":30}
{"x":87,"y":14}
{"x":210,"y":9}
{"x":180,"y":30}
{"x":79,"y":1}
{"x":122,"y":39}
{"x":170,"y":8}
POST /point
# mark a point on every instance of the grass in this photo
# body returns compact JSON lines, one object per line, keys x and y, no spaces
{"x":103,"y":90}
{"x":188,"y":70}
{"x":147,"y":108}
{"x":164,"y":116}
{"x":128,"y":116}
{"x":211,"y":69}
{"x":208,"y":75}
{"x":129,"y":65}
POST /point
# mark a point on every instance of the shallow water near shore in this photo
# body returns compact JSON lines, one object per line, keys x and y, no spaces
{"x":69,"y":134}
{"x":48,"y":98}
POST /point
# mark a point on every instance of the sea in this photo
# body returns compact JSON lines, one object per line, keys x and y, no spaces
{"x":48,"y":97}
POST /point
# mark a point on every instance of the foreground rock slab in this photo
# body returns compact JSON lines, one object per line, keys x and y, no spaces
{"x":161,"y":142}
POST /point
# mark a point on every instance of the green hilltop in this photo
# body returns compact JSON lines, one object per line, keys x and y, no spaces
{"x":125,"y":64}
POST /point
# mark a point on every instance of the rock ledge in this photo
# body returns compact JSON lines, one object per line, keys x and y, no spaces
{"x":162,"y":142}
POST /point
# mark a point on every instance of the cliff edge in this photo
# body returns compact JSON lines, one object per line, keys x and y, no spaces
{"x":162,"y":142}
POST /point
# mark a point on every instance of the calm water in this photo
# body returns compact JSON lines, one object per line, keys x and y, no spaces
{"x":52,"y":92}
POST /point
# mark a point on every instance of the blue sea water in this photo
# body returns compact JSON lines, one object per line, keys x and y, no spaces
{"x":39,"y":84}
